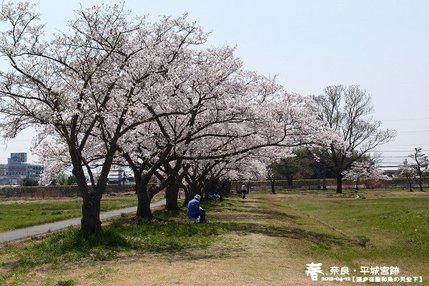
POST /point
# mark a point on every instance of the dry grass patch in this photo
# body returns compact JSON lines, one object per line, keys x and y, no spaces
{"x":251,"y":259}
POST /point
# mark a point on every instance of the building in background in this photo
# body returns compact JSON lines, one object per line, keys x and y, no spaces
{"x":17,"y":169}
{"x":17,"y":158}
{"x":119,"y":176}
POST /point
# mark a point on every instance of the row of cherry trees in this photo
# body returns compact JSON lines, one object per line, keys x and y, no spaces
{"x":114,"y":89}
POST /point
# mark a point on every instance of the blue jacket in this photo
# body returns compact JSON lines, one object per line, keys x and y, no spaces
{"x":193,"y":208}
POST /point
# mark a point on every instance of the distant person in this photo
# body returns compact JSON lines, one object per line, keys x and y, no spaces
{"x":243,"y":190}
{"x":195,"y":211}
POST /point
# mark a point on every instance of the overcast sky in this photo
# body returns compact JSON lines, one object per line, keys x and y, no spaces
{"x":382,"y":45}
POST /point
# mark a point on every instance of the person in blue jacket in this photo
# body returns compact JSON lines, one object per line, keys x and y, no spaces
{"x":195,"y":211}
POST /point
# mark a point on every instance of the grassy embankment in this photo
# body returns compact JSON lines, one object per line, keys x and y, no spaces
{"x":266,"y":239}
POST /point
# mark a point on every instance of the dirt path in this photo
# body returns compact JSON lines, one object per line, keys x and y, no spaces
{"x":258,"y":261}
{"x":251,"y":259}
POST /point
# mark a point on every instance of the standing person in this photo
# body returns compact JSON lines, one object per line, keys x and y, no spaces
{"x":195,"y":211}
{"x":243,"y":190}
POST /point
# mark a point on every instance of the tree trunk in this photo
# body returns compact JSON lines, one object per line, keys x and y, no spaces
{"x":290,"y":180}
{"x":171,"y":197}
{"x":192,"y":191}
{"x":186,"y":191}
{"x":143,"y":204}
{"x":91,"y":197}
{"x":143,"y":199}
{"x":273,"y":188}
{"x":339,"y":184}
{"x":410,"y":185}
{"x":91,"y":214}
{"x":421,"y":183}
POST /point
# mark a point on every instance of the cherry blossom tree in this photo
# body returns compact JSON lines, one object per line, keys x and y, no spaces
{"x":119,"y":91}
{"x":365,"y":169}
{"x":190,"y":91}
{"x":407,"y":171}
{"x":207,"y":176}
{"x":86,"y":84}
{"x":221,"y":112}
{"x":282,"y":122}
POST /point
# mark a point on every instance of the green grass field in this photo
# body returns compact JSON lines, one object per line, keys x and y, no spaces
{"x":390,"y":231}
{"x":388,"y":228}
{"x":14,"y":215}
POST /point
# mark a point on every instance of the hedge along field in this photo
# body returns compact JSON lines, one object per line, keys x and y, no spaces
{"x":9,"y":192}
{"x":24,"y":213}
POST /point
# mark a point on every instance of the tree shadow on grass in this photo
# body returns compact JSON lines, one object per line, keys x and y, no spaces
{"x":285,"y":232}
{"x":59,"y":248}
{"x":260,"y":212}
{"x":228,"y":250}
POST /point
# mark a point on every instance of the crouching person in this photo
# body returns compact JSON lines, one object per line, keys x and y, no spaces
{"x":195,"y":211}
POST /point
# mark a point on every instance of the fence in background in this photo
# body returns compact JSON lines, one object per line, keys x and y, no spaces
{"x":279,"y":185}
